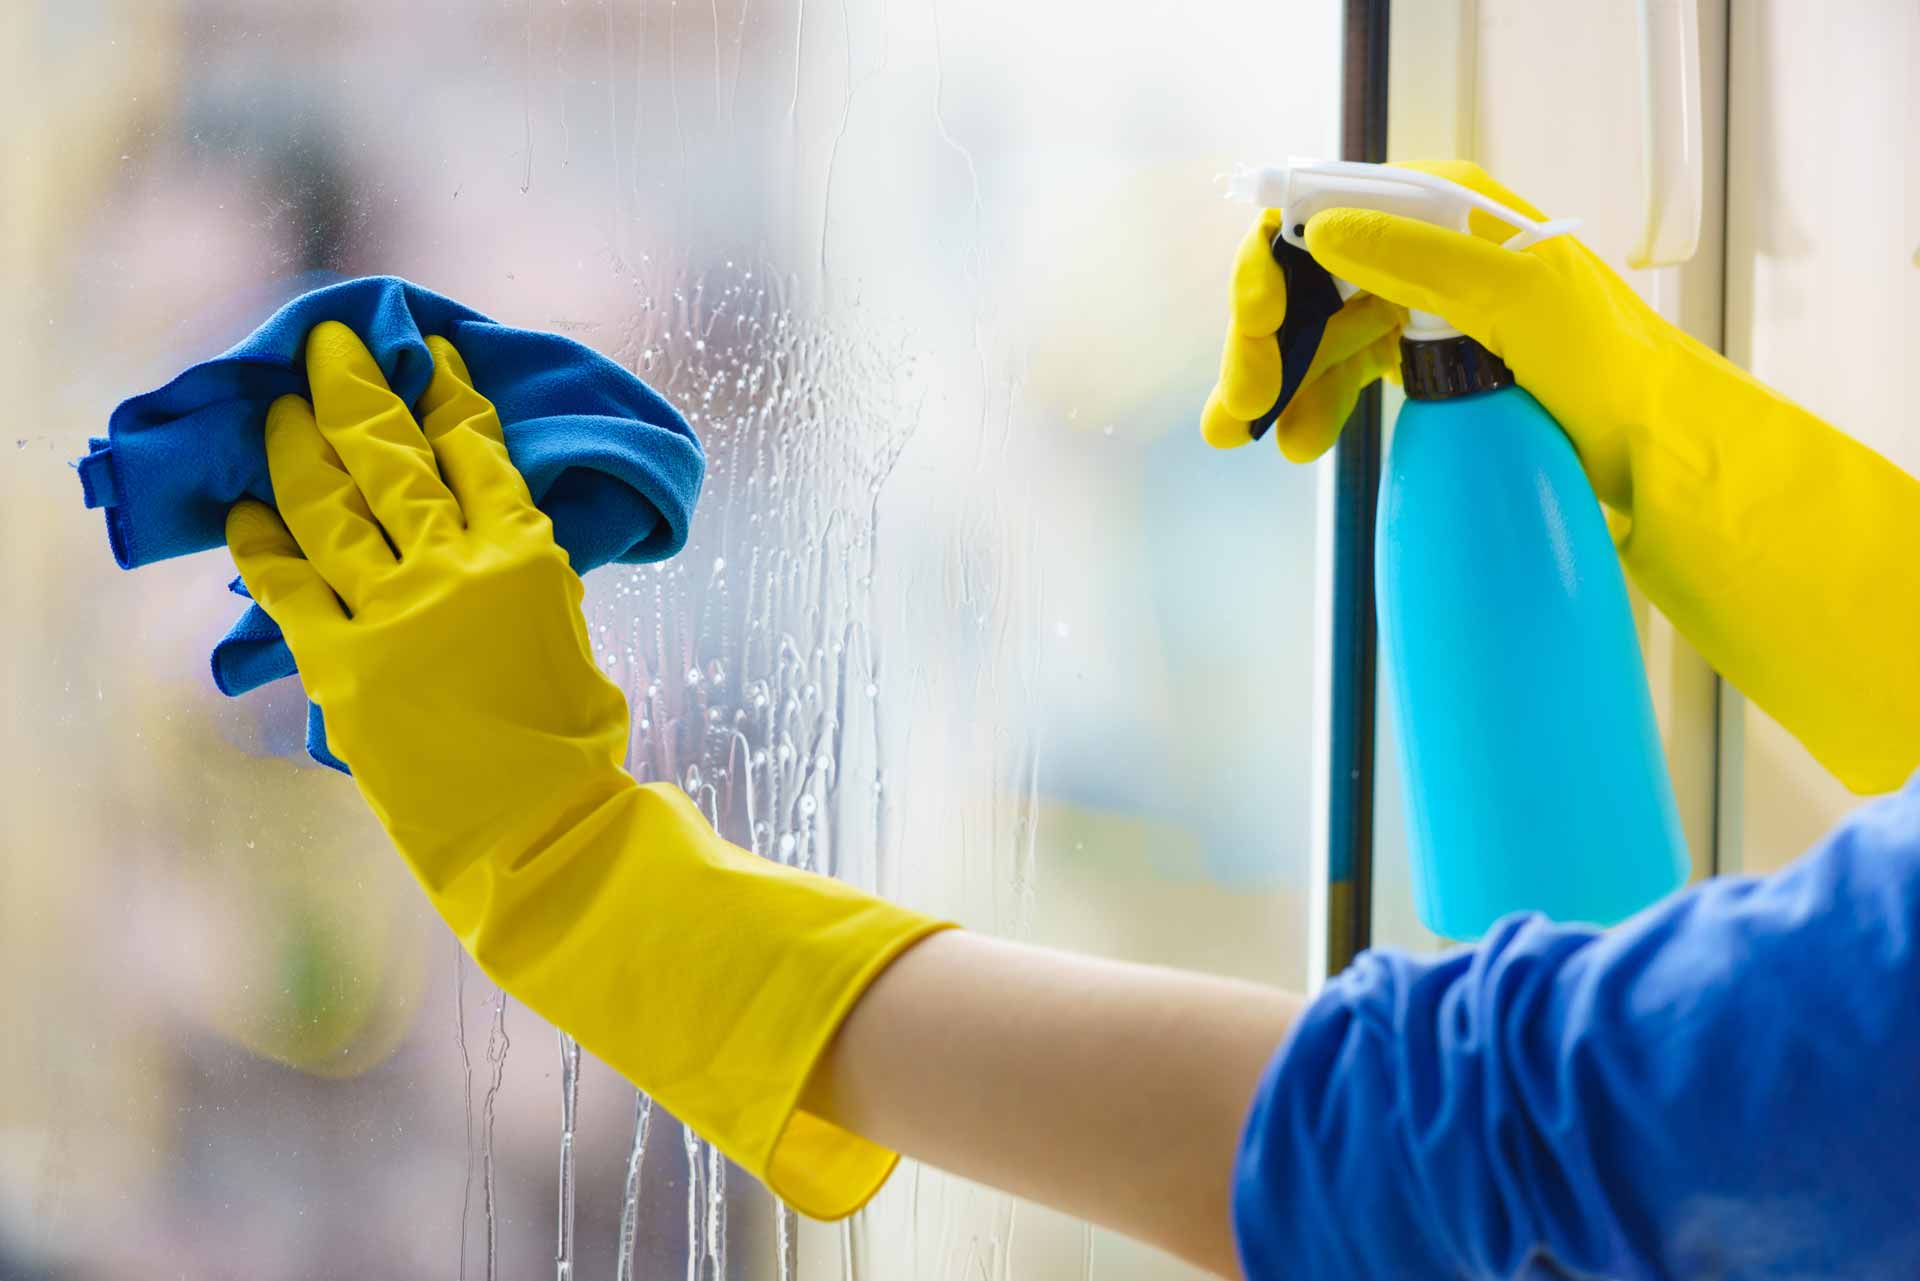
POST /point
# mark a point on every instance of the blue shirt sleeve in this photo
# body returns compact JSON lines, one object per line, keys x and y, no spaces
{"x":1726,"y":1086}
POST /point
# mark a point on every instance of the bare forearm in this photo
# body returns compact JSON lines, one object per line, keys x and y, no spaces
{"x":1112,"y":1092}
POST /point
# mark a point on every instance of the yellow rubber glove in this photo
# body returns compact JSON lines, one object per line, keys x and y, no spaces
{"x":1782,"y":548}
{"x":1361,"y":344}
{"x":438,"y":626}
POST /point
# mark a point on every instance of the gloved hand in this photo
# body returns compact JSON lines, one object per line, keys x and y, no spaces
{"x":1360,"y":345}
{"x":438,"y":626}
{"x":1784,"y":550}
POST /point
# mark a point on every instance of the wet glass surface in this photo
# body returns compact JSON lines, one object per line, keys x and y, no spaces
{"x":969,"y":615}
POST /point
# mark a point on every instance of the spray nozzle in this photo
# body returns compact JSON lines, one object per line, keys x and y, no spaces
{"x":1302,"y":188}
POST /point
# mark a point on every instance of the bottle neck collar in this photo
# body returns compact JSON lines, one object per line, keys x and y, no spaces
{"x":1443,"y":368}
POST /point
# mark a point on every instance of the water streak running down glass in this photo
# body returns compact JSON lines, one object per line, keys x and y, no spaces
{"x":968,"y":615}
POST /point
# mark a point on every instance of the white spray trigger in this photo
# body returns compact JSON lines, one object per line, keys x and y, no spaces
{"x":1302,"y":188}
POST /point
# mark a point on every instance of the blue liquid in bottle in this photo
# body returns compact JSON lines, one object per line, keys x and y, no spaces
{"x":1533,"y":769}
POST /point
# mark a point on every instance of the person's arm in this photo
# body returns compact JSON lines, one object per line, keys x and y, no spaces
{"x":439,"y":628}
{"x":1719,"y":1087}
{"x":1782,"y":548}
{"x":1116,"y":1093}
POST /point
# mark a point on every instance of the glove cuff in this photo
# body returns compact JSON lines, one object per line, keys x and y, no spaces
{"x":1777,"y":544}
{"x":711,"y":978}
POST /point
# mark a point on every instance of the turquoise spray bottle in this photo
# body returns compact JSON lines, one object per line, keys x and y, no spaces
{"x":1532,"y":763}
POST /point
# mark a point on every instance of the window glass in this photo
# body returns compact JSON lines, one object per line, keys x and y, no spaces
{"x":969,"y":615}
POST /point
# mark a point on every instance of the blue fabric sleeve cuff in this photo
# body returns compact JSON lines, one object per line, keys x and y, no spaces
{"x":1721,"y":1086}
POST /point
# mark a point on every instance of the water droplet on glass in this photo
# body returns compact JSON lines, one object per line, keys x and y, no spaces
{"x":808,"y":805}
{"x":787,"y":843}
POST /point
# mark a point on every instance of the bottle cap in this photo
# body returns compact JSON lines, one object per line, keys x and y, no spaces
{"x":1442,"y":368}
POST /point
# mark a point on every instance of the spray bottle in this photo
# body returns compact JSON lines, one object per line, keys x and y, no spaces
{"x":1532,"y":763}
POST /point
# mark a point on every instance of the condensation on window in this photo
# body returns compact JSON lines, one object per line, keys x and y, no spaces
{"x":968,"y":614}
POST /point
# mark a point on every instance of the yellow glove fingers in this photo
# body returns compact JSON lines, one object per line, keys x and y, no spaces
{"x":1463,"y":278}
{"x":468,"y":444}
{"x":1250,"y":375}
{"x":1250,"y":363}
{"x":321,"y":505}
{"x":280,"y":579}
{"x":1259,"y":287}
{"x":1359,"y":325}
{"x":1321,"y":408}
{"x":376,"y":437}
{"x":1220,"y":426}
{"x":451,"y":400}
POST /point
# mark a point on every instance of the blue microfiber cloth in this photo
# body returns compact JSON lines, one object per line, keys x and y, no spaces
{"x":615,"y":466}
